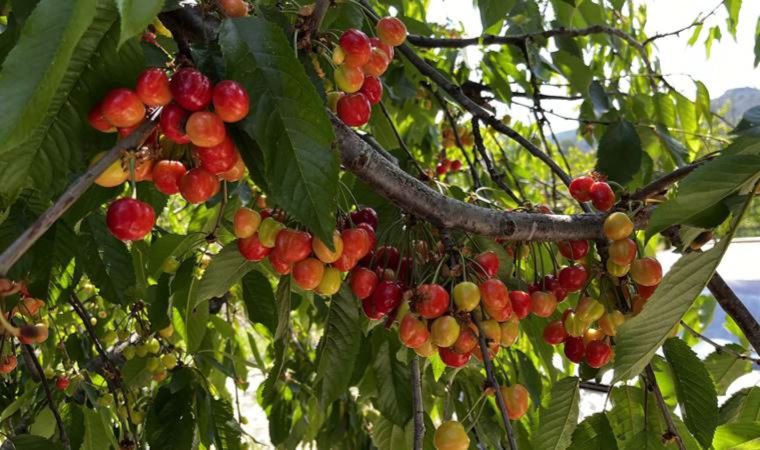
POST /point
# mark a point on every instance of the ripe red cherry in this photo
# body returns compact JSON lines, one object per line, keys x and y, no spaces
{"x":377,"y":64}
{"x":231,"y":101}
{"x":354,"y":109}
{"x":356,"y":242}
{"x":645,"y":291}
{"x":372,"y":237}
{"x":555,"y":333}
{"x":293,"y":245}
{"x":365,"y":215}
{"x":387,"y":297}
{"x":278,"y":265}
{"x":167,"y":174}
{"x":308,"y":273}
{"x":466,"y":342}
{"x":646,"y":271}
{"x":205,"y":129}
{"x":219,"y":158}
{"x":236,"y":172}
{"x":521,"y":303}
{"x":191,"y":89}
{"x":372,"y":89}
{"x":356,"y":46}
{"x":543,"y":304}
{"x":575,"y":349}
{"x":363,"y":282}
{"x":387,"y":256}
{"x":456,"y":165}
{"x":388,"y":49}
{"x":61,"y":383}
{"x":172,"y":123}
{"x":368,"y":306}
{"x":602,"y":196}
{"x":198,"y":185}
{"x":391,"y":31}
{"x":494,"y":294}
{"x":98,"y":121}
{"x":573,"y":278}
{"x":574,"y":250}
{"x":412,"y":331}
{"x":488,"y":262}
{"x":129,"y":219}
{"x":233,"y":8}
{"x":432,"y":300}
{"x":345,"y":262}
{"x":622,"y":252}
{"x":123,"y":108}
{"x":452,"y":358}
{"x":580,"y":188}
{"x":598,"y":354}
{"x":251,"y":248}
{"x":153,"y":87}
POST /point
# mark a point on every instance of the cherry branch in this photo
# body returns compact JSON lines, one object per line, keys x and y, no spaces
{"x":29,"y":352}
{"x":419,"y":412}
{"x":497,"y":177}
{"x":734,"y":307}
{"x":720,"y":348}
{"x":672,"y":432}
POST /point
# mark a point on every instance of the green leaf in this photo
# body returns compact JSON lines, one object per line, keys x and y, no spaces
{"x":136,"y":15}
{"x":627,"y":414}
{"x":619,"y":153}
{"x":225,"y":269}
{"x":574,"y":69}
{"x":289,"y":121}
{"x":171,"y":245}
{"x":757,"y":42}
{"x":169,"y":423}
{"x":259,"y":300}
{"x":594,"y":433}
{"x":184,"y":295}
{"x":106,"y":260}
{"x":733,"y":7}
{"x":387,"y":435}
{"x":283,"y":308}
{"x":31,"y":442}
{"x":558,"y":420}
{"x":737,"y":436}
{"x":48,"y":41}
{"x":339,"y":346}
{"x":529,"y":376}
{"x":696,"y":393}
{"x":598,"y":97}
{"x":743,"y":406}
{"x":96,"y":431}
{"x":493,"y":11}
{"x":158,"y":303}
{"x":135,"y":374}
{"x":750,"y":123}
{"x":394,"y":399}
{"x":227,"y":432}
{"x":725,"y":368}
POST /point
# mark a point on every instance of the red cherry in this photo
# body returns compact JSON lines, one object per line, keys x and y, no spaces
{"x":646,"y":271}
{"x":386,"y":297}
{"x":494,"y":294}
{"x":602,"y":196}
{"x":598,"y":354}
{"x":391,"y":31}
{"x":61,"y":383}
{"x":167,"y":175}
{"x":521,"y":303}
{"x":357,"y":47}
{"x":237,"y":172}
{"x":452,"y":358}
{"x":432,"y":300}
{"x":574,"y":250}
{"x":129,"y":219}
{"x":441,"y":169}
{"x":308,"y":273}
{"x":372,"y":89}
{"x":412,"y":331}
{"x":365,"y":215}
{"x":345,"y":262}
{"x":488,"y":262}
{"x":368,"y":306}
{"x":456,"y":165}
{"x":251,"y":248}
{"x":354,"y":109}
{"x":191,"y":89}
{"x":370,"y":234}
{"x":205,"y":129}
{"x":543,"y":304}
{"x":387,"y":256}
{"x":198,"y":185}
{"x":292,"y":245}
{"x":153,"y":87}
{"x":219,"y":158}
{"x":123,"y":108}
{"x":377,"y":64}
{"x":575,"y":349}
{"x":279,"y":266}
{"x":172,"y":123}
{"x":363,"y":282}
{"x":98,"y":121}
{"x":555,"y":333}
{"x":231,"y":101}
{"x":388,"y":49}
{"x":580,"y":188}
{"x":645,"y":291}
{"x":356,"y":242}
{"x":573,"y":278}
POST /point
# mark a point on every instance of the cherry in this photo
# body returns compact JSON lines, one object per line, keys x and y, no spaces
{"x":129,"y":219}
{"x":144,"y":170}
{"x":308,"y":273}
{"x":370,"y":235}
{"x":555,"y":333}
{"x":444,"y":331}
{"x":167,"y":175}
{"x":98,"y":121}
{"x":598,"y":354}
{"x":589,"y":310}
{"x":391,"y":31}
{"x":387,"y":256}
{"x":521,"y":303}
{"x":617,"y":226}
{"x":325,"y":254}
{"x":354,"y":109}
{"x":152,"y":87}
{"x":377,"y":64}
{"x":426,"y":350}
{"x":114,"y":174}
{"x":645,"y":291}
{"x":386,"y":297}
{"x":330,"y":282}
{"x":573,"y":278}
{"x":432,"y":300}
{"x":236,"y":173}
{"x":466,"y":296}
{"x":575,"y":349}
{"x":345,"y":263}
{"x":191,"y":89}
{"x":372,"y":88}
{"x":451,"y":435}
{"x":246,"y":222}
{"x":172,"y":123}
{"x":8,"y":364}
{"x":219,"y":158}
{"x":466,"y":341}
{"x":33,"y":334}
{"x":516,"y":400}
{"x":348,"y":79}
{"x":388,"y":49}
{"x":617,"y":270}
{"x":30,"y":307}
{"x":495,"y":294}
{"x":610,"y":322}
{"x":356,"y":46}
{"x":452,"y":358}
{"x":231,"y":101}
{"x":580,"y":188}
{"x":356,"y":242}
{"x":370,"y":310}
{"x":591,"y":335}
{"x":574,"y":250}
{"x":365,"y":215}
{"x":510,"y":330}
{"x":121,"y":107}
{"x":646,"y":271}
{"x":488,"y":262}
{"x":233,"y":8}
{"x":543,"y":303}
{"x":61,"y":383}
{"x":442,"y":168}
{"x":198,"y":185}
{"x":206,"y":129}
{"x":498,"y":314}
{"x":622,"y":252}
{"x":456,"y":165}
{"x":293,"y":246}
{"x":278,"y":265}
{"x":412,"y":331}
{"x":251,"y":248}
{"x":602,"y":196}
{"x":268,"y":231}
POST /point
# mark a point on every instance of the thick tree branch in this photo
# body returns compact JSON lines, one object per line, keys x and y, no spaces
{"x":734,"y":307}
{"x":419,"y":412}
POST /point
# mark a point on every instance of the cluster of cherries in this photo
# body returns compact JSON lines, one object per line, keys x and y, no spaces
{"x":32,"y":331}
{"x":313,"y":265}
{"x":360,"y":61}
{"x":185,"y":120}
{"x":446,"y":165}
{"x":599,"y":193}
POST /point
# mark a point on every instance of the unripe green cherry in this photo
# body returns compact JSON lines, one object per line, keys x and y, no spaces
{"x":444,"y":331}
{"x":466,"y":296}
{"x":268,"y":231}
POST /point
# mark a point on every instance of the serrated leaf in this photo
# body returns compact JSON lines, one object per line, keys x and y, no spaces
{"x":394,"y":398}
{"x":184,"y":297}
{"x":136,"y":15}
{"x":288,"y":121}
{"x":696,"y":393}
{"x":599,"y":99}
{"x":619,"y":152}
{"x":134,"y":373}
{"x":339,"y":346}
{"x":225,"y":269}
{"x":169,"y":423}
{"x":743,"y":406}
{"x":32,"y":442}
{"x":627,"y":414}
{"x":96,"y":432}
{"x":386,"y":435}
{"x":259,"y":300}
{"x":558,"y":420}
{"x":725,"y":368}
{"x":227,"y":432}
{"x":737,"y":436}
{"x":106,"y":260}
{"x":594,"y":433}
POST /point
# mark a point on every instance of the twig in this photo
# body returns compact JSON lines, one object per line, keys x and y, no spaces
{"x":596,"y":387}
{"x":672,"y":432}
{"x":662,"y":183}
{"x":419,"y":412}
{"x":423,"y":175}
{"x":720,"y":348}
{"x":496,"y":177}
{"x":51,"y":404}
{"x":734,"y":307}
